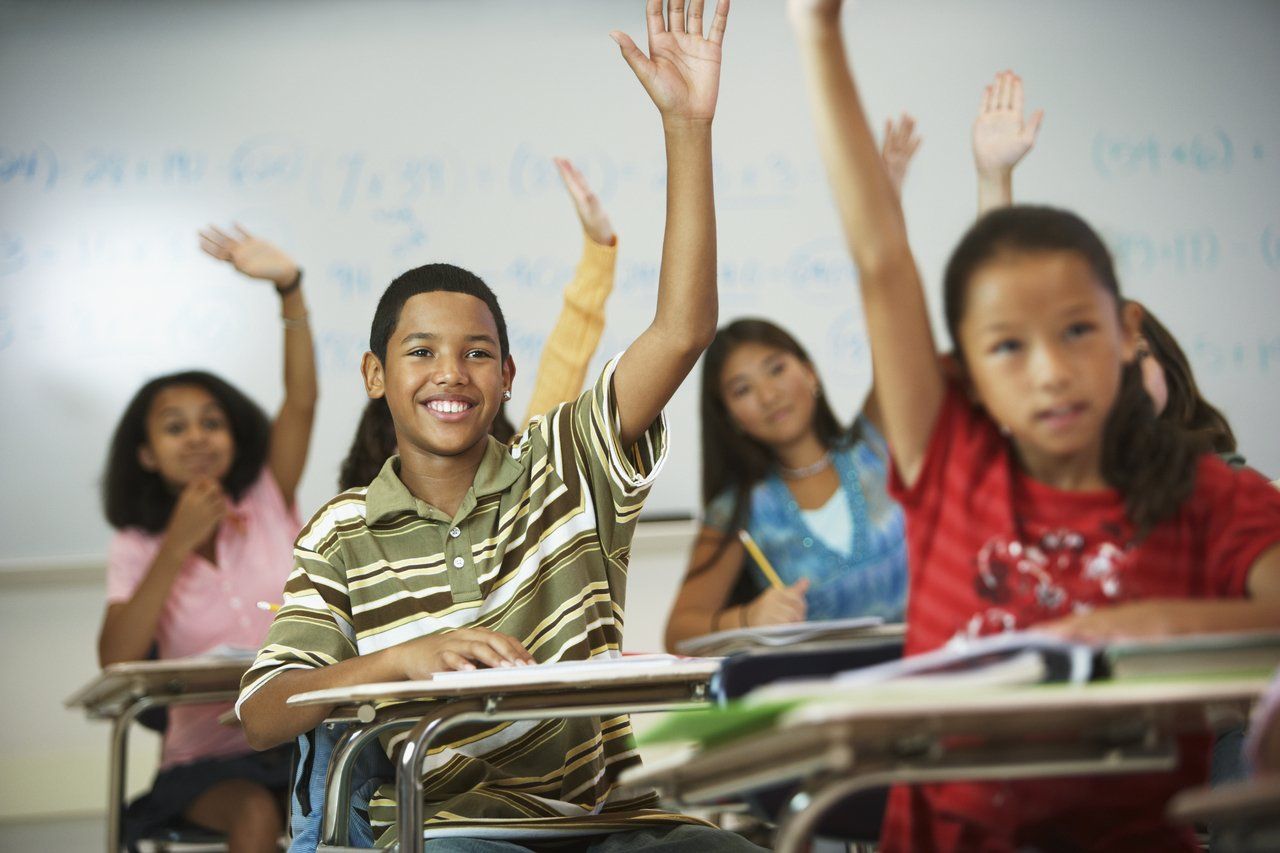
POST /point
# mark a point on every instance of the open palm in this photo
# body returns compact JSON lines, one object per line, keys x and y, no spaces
{"x":682,"y":71}
{"x":1001,"y":135}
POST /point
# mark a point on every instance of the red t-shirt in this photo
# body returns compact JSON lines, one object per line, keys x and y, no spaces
{"x":991,"y":549}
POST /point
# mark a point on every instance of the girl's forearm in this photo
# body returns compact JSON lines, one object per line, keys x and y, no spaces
{"x":129,"y":628}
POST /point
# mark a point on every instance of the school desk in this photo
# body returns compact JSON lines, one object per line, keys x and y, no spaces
{"x":430,"y":708}
{"x":849,"y":742}
{"x":122,"y":691}
{"x":1245,"y":815}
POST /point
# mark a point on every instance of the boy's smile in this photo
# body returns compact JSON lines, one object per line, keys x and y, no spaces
{"x":444,"y":375}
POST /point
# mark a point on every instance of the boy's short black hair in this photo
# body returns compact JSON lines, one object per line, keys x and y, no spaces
{"x":135,"y":497}
{"x":430,"y":279}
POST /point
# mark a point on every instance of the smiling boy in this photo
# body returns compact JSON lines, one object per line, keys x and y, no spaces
{"x":465,"y":552}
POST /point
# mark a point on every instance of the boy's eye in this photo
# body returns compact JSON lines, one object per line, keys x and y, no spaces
{"x":479,"y":353}
{"x":420,"y":352}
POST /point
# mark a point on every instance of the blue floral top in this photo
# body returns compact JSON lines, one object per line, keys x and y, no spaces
{"x":869,"y":577}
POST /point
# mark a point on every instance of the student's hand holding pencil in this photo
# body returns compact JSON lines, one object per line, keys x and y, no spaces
{"x":779,"y":605}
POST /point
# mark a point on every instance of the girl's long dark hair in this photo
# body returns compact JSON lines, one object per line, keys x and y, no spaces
{"x":732,"y":460}
{"x":375,"y":442}
{"x":135,"y":497}
{"x":1185,"y":407}
{"x":1150,"y":461}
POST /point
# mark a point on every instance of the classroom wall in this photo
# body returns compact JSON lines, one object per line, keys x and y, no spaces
{"x":370,"y":137}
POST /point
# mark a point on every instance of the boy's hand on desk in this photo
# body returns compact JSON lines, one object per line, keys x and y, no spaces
{"x":200,"y":509}
{"x":777,"y":606}
{"x":463,"y":649}
{"x":682,"y":71}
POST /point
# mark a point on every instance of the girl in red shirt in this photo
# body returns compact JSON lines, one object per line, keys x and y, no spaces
{"x":1040,"y":489}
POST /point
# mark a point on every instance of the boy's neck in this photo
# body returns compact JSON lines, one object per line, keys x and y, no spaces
{"x":441,"y":481}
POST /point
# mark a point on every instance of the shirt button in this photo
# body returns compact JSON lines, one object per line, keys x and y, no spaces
{"x":808,"y":542}
{"x":458,"y":562}
{"x":235,"y":602}
{"x":455,"y":533}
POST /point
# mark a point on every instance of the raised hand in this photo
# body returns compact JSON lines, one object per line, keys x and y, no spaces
{"x":897,"y":149}
{"x":1001,"y":135}
{"x":251,"y":255}
{"x":462,"y":649}
{"x":777,"y":606}
{"x":801,"y":11}
{"x":682,"y":71}
{"x":595,"y":222}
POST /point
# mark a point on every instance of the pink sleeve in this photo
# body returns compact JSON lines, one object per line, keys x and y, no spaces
{"x":1244,"y":521}
{"x":264,"y":499}
{"x":128,"y":560}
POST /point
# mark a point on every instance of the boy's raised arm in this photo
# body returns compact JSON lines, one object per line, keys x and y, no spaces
{"x":908,"y":379}
{"x":682,"y":76}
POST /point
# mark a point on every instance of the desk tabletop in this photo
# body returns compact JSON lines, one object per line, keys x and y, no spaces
{"x":121,"y":682}
{"x":814,"y":735}
{"x":542,"y":678}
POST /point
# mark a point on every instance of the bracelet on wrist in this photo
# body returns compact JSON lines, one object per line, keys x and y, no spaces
{"x":291,"y":286}
{"x":295,"y":322}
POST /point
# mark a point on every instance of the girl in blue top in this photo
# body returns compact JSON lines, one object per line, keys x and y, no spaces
{"x":811,"y":492}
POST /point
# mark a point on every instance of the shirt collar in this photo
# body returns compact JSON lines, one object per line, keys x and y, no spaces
{"x":388,"y":496}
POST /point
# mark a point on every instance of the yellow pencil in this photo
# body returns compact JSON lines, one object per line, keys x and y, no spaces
{"x":761,"y":560}
{"x":267,"y":605}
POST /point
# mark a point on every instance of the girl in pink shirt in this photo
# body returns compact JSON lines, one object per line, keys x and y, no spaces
{"x":200,"y":487}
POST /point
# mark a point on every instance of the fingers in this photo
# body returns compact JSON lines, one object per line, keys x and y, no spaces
{"x":1015,"y":93}
{"x":1032,"y":130}
{"x":988,"y":99}
{"x":451,"y":660}
{"x":572,"y":179}
{"x":1006,"y":91}
{"x":695,"y":17}
{"x":719,"y":22}
{"x":510,"y":649}
{"x":632,"y":54}
{"x":653,"y":20}
{"x":675,"y":16}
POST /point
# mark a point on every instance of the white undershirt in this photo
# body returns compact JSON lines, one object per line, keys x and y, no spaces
{"x":832,"y":522}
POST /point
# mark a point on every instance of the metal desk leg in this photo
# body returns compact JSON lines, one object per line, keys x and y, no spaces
{"x":334,"y":826}
{"x":809,"y":806}
{"x":118,"y":766}
{"x":409,"y":767}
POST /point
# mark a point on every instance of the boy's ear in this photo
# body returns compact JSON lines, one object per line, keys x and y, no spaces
{"x":374,"y":376}
{"x":508,"y":372}
{"x":1131,"y":328}
{"x":147,"y":458}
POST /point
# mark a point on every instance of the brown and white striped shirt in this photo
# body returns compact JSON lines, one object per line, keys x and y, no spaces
{"x":538,"y":550}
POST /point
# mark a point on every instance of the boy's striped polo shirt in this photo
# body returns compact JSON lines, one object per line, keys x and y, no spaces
{"x":538,"y":550}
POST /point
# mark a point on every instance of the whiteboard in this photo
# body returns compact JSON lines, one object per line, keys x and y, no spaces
{"x":370,"y":137}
